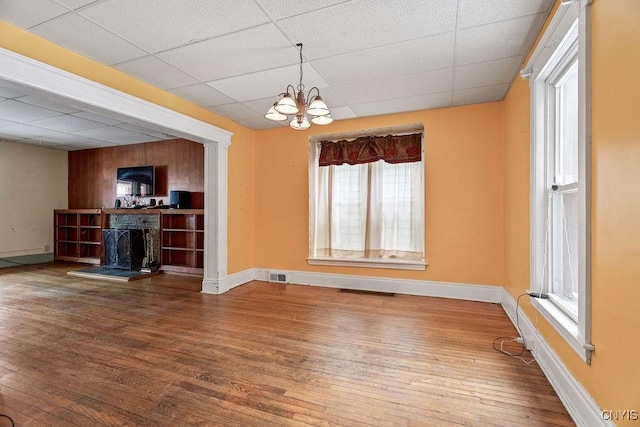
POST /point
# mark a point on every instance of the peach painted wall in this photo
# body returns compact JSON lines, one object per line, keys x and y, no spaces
{"x":241,"y":155}
{"x":613,"y":376}
{"x":463,"y":180}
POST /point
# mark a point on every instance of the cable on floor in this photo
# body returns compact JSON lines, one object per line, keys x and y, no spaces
{"x":502,"y":340}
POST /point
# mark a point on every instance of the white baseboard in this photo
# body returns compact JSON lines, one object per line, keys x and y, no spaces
{"x":483,"y":293}
{"x":236,"y":279}
{"x":580,"y":405}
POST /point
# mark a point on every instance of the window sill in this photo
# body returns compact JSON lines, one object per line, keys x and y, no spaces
{"x":565,"y":326}
{"x":396,"y":264}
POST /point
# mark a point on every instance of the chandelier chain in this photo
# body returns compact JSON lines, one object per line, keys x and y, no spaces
{"x":300,"y":86}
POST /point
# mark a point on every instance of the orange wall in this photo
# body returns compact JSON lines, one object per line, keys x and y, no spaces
{"x":463,"y":180}
{"x":241,"y":155}
{"x":613,"y":376}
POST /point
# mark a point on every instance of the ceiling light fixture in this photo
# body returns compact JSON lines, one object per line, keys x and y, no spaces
{"x":292,"y":103}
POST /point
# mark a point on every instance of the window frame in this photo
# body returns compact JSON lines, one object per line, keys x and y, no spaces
{"x":569,"y":29}
{"x":314,"y":151}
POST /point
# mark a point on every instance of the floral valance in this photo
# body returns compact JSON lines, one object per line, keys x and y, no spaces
{"x":368,"y":149}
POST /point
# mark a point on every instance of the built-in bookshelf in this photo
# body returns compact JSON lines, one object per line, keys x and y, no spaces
{"x":182,"y":240}
{"x":78,"y":235}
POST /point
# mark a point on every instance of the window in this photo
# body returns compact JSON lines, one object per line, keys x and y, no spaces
{"x":560,"y":196}
{"x":562,"y":185}
{"x":370,"y":212}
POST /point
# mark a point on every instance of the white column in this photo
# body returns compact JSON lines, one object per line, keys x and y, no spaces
{"x":215,"y":217}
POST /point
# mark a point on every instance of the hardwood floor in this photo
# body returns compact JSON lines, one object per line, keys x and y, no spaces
{"x":87,"y":352}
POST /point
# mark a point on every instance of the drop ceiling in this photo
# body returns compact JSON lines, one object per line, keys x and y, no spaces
{"x":367,"y":57}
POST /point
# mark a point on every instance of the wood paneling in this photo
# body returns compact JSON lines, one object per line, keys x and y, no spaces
{"x":84,"y":352}
{"x":179,"y":166}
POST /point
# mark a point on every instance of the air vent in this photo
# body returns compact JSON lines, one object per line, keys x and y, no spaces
{"x":363,"y":292}
{"x":278,"y":277}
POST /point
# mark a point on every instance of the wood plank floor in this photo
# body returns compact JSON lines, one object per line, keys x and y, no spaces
{"x":83,"y":352}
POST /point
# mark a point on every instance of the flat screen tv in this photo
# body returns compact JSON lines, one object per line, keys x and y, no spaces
{"x":135,"y":181}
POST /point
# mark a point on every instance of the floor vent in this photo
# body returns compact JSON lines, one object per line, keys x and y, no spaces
{"x":359,"y":291}
{"x":278,"y":277}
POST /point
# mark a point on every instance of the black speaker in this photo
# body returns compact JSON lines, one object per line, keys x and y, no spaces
{"x":180,"y":199}
{"x":117,"y":204}
{"x":123,"y":249}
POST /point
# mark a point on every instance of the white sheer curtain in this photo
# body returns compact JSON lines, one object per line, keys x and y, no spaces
{"x":372,"y":210}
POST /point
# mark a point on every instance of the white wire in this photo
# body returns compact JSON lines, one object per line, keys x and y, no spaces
{"x":566,"y":235}
{"x":503,"y":351}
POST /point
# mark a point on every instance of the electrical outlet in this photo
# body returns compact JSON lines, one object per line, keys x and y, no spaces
{"x":45,"y":248}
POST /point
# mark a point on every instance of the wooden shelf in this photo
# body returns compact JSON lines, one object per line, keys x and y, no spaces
{"x":77,"y":235}
{"x":182,"y":240}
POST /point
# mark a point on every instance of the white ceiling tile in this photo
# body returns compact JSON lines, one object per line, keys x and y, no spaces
{"x":341,"y":113}
{"x":260,"y":106}
{"x":75,"y":4}
{"x":268,"y":83}
{"x":427,"y":53}
{"x":331,"y":97}
{"x":494,"y":41}
{"x":27,"y":13}
{"x":480,"y":94}
{"x":487,"y":73}
{"x":10,"y":92}
{"x":397,"y":87}
{"x":202,"y":94}
{"x":66,"y":138}
{"x":279,"y":9}
{"x":172,"y":23}
{"x":98,"y":118}
{"x":244,"y":52}
{"x":25,"y":131}
{"x":156,"y":72}
{"x":106,"y":133}
{"x":80,"y":35}
{"x":133,"y":139}
{"x":42,"y":101}
{"x":5,"y":123}
{"x":413,"y":103}
{"x":236,"y":112}
{"x":135,"y":128}
{"x":66,"y":123}
{"x":21,"y":112}
{"x":362,"y":24}
{"x":480,"y":12}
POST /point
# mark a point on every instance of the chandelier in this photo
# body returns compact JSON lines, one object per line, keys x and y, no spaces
{"x":292,"y":103}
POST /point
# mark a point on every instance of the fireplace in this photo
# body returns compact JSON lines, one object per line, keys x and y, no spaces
{"x":124,"y":249}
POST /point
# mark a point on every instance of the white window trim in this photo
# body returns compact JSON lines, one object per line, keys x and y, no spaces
{"x":576,"y":334}
{"x":396,"y":264}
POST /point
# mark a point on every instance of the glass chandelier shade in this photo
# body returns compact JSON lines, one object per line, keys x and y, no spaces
{"x":294,"y":102}
{"x":275,"y":115}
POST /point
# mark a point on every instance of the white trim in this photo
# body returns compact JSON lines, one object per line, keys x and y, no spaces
{"x":215,"y":218}
{"x":562,"y":20}
{"x":236,"y":279}
{"x":106,"y":100}
{"x":571,"y":22}
{"x":394,"y":264}
{"x":580,"y":405}
{"x":482,"y":293}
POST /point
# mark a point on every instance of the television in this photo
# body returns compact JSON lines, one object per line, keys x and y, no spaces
{"x":135,"y":181}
